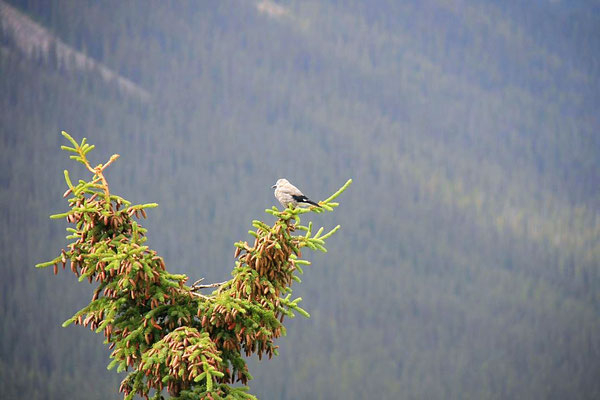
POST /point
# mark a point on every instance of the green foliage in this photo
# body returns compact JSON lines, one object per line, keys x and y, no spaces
{"x":167,"y":333}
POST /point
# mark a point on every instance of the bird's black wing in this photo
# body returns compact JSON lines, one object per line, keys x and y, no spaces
{"x":304,"y":199}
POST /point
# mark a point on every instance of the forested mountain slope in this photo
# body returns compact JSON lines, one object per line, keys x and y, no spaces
{"x":467,"y":266}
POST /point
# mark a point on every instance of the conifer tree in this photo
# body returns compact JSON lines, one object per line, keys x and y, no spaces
{"x":169,"y":336}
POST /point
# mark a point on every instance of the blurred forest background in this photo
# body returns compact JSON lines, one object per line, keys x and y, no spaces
{"x":468,"y":265}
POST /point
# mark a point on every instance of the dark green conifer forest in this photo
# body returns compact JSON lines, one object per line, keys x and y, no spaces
{"x":468,"y":261}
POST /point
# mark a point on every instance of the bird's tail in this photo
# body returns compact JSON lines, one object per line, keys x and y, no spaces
{"x":303,"y":199}
{"x":312,"y":202}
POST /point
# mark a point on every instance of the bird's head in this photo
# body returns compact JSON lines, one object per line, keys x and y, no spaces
{"x":279,"y":183}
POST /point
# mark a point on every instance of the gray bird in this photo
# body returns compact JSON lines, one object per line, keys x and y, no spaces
{"x":288,"y":194}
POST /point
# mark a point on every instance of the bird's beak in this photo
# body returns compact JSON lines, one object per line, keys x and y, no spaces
{"x":273,"y":187}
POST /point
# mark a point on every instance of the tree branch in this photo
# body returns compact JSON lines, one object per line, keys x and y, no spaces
{"x":197,"y":286}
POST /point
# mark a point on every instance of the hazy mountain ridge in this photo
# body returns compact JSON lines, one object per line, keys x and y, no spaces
{"x":37,"y":42}
{"x":473,"y":208}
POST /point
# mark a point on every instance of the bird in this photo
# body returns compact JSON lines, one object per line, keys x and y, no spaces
{"x":288,"y":194}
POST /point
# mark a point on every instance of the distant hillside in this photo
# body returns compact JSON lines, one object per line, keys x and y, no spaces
{"x":37,"y":42}
{"x":467,"y":263}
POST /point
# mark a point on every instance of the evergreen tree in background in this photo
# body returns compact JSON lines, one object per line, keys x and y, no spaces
{"x":169,"y":335}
